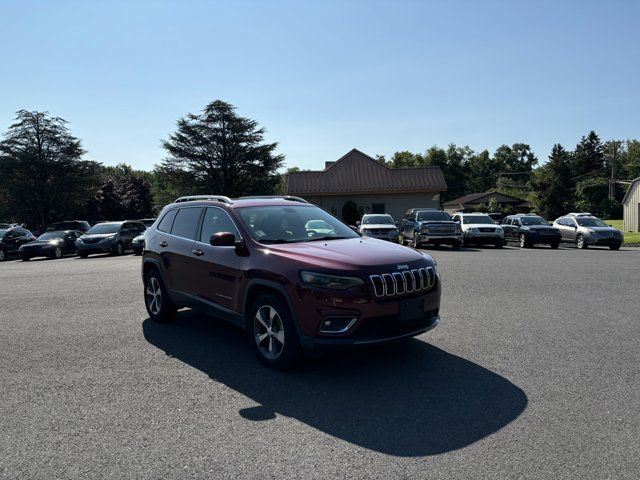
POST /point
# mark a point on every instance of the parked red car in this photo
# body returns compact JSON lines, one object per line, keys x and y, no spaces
{"x":259,"y":263}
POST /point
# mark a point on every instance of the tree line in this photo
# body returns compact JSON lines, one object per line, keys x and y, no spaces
{"x":44,"y":176}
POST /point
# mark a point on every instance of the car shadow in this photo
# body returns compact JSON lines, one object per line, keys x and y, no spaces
{"x":406,"y":399}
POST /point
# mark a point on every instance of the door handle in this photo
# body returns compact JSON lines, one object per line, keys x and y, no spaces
{"x":197,"y":253}
{"x":163,"y":244}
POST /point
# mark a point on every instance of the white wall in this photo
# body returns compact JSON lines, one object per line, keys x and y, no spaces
{"x":631,"y":209}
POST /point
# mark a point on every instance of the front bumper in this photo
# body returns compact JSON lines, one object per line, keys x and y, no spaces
{"x":545,"y":239}
{"x":395,"y":238}
{"x":439,"y":239}
{"x":483,"y":237}
{"x":604,"y":241}
{"x":378,"y":320}
{"x":95,"y":247}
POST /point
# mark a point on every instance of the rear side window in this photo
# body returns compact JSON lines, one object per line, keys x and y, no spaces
{"x":167,"y":221}
{"x":185,"y":224}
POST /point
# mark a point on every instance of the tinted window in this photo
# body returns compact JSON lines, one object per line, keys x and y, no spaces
{"x":186,"y":222}
{"x":21,"y":232}
{"x":534,"y":221}
{"x":506,"y":221}
{"x":478,"y":219}
{"x":378,"y":220}
{"x":167,"y":221}
{"x":216,"y":220}
{"x":590,"y":222}
{"x":51,"y":235}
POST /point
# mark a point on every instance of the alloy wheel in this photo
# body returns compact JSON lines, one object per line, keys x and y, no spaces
{"x":2,"y":255}
{"x":523,"y":240}
{"x":154,"y":296}
{"x":57,"y":252}
{"x":269,"y":332}
{"x":580,"y":241}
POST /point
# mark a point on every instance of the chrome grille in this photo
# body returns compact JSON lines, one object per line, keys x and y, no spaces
{"x":399,"y":283}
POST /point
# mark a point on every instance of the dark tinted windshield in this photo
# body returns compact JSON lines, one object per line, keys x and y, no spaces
{"x":482,"y":219}
{"x":378,"y":220}
{"x":104,"y":228}
{"x":533,"y":221}
{"x":590,"y":222}
{"x":434,"y":216}
{"x":51,"y":235}
{"x":290,"y":224}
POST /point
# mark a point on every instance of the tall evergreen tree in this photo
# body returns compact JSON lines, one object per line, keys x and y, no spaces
{"x":588,"y":157}
{"x":552,"y":184}
{"x":223,"y":153}
{"x":42,"y":174}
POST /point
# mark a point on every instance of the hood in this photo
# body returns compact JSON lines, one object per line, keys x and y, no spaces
{"x":41,"y":243}
{"x":481,"y":225}
{"x":378,"y":226}
{"x":347,"y":254}
{"x":97,"y":236}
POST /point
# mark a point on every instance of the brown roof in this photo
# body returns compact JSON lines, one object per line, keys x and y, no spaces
{"x":476,"y":197}
{"x":357,"y":172}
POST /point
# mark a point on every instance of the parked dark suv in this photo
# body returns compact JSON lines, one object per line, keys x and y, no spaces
{"x":254,"y":261}
{"x":433,"y":227}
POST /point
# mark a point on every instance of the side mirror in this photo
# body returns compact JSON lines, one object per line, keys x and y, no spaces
{"x":223,"y":239}
{"x":358,"y":223}
{"x":398,"y":224}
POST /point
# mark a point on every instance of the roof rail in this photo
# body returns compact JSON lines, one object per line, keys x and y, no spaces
{"x":283,"y":197}
{"x":192,"y":198}
{"x":579,"y":214}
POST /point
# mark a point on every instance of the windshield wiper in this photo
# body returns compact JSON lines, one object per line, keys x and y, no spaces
{"x":277,"y":240}
{"x":324,"y":238}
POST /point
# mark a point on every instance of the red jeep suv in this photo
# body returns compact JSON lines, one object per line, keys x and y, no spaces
{"x":295,"y":277}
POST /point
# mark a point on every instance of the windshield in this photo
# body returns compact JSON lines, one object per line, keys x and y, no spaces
{"x":51,"y":235}
{"x":434,"y":216}
{"x":104,"y":228}
{"x":483,"y":219}
{"x":291,"y":224}
{"x":533,"y":221}
{"x":590,"y":222}
{"x":378,"y":220}
{"x":3,"y":233}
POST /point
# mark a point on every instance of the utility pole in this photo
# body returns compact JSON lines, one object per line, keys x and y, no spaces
{"x":612,"y":182}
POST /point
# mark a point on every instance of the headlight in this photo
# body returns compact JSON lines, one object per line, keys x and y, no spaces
{"x":330,"y":281}
{"x":473,"y":230}
{"x":79,"y":240}
{"x":108,"y":239}
{"x":56,"y":241}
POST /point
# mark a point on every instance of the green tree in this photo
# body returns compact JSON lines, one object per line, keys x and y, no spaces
{"x":222,"y":152}
{"x":406,"y":159}
{"x":42,"y":173}
{"x":124,"y":194}
{"x":588,"y":156}
{"x":552,"y":184}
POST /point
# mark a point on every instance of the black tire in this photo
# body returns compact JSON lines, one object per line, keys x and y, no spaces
{"x":25,"y":258}
{"x":156,"y":299}
{"x":456,"y":245}
{"x":615,"y":247}
{"x":118,"y":249}
{"x":499,"y":244}
{"x":83,"y":255}
{"x":581,"y":242}
{"x":269,"y":318}
{"x":555,"y":245}
{"x":57,"y":253}
{"x":3,"y":255}
{"x":523,"y":241}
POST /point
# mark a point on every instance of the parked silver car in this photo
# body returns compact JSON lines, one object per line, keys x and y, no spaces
{"x":380,"y":226}
{"x":585,"y":229}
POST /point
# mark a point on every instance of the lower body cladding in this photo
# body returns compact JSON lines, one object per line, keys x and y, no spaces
{"x":433,"y":239}
{"x":336,"y":319}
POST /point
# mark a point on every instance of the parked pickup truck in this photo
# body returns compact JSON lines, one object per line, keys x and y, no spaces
{"x":431,"y":226}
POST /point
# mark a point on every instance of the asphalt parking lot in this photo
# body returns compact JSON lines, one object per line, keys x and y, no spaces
{"x":533,"y":373}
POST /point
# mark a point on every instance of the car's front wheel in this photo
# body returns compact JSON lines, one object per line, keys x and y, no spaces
{"x":581,"y":242}
{"x":25,"y":258}
{"x":615,"y":247}
{"x":555,"y":245}
{"x":499,"y":244}
{"x":57,"y":253}
{"x":523,"y":241}
{"x":3,"y":255}
{"x":159,"y":306}
{"x":273,"y":334}
{"x":119,"y":250}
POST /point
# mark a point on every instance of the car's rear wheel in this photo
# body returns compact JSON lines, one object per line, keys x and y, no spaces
{"x":25,"y":258}
{"x":3,"y":255}
{"x":273,"y":334}
{"x":581,"y":242}
{"x":83,"y":255}
{"x":499,"y":244}
{"x":456,"y":245}
{"x":159,"y":306}
{"x":555,"y":245}
{"x":57,"y":253}
{"x":119,"y":250}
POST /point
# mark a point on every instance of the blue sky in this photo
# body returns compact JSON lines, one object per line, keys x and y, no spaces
{"x":324,"y":77}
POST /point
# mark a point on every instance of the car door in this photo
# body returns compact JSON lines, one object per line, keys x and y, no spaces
{"x":21,"y":236}
{"x":506,"y":226}
{"x":515,"y":229}
{"x":175,"y":251}
{"x":69,"y":241}
{"x":216,"y":269}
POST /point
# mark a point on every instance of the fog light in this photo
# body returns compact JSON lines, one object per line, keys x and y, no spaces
{"x":337,"y":324}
